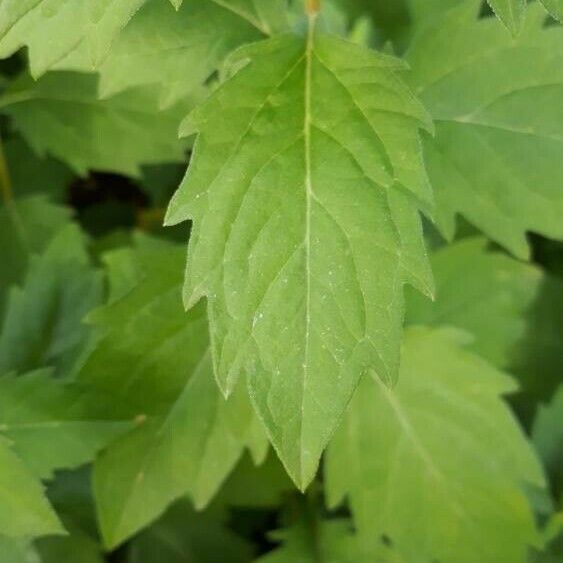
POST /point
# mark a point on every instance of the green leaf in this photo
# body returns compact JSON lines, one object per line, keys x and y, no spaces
{"x":49,"y":425}
{"x":76,"y":548}
{"x":189,"y":437}
{"x":43,"y":321}
{"x":483,"y":292}
{"x":32,"y":175}
{"x":312,"y":540}
{"x":24,"y":510}
{"x":554,"y":7}
{"x":51,"y":29}
{"x":189,"y":46}
{"x":183,"y":535}
{"x":304,"y":189}
{"x":510,"y":12}
{"x":498,"y":106}
{"x":26,"y":226}
{"x":547,"y":436}
{"x":17,"y":551}
{"x":437,"y":464}
{"x":60,"y":115}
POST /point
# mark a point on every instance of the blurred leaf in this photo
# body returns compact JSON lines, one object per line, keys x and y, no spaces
{"x":26,"y":227}
{"x":437,"y":464}
{"x":497,"y":102}
{"x":43,"y":320}
{"x":311,"y":540}
{"x":547,"y":435}
{"x":24,"y":510}
{"x":484,"y":292}
{"x":49,"y":425}
{"x":192,"y":438}
{"x":33,"y":175}
{"x":60,"y":115}
{"x":189,"y":45}
{"x":183,"y":535}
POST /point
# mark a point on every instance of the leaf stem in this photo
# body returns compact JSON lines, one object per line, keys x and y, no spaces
{"x":5,"y":180}
{"x":7,"y":192}
{"x":312,"y":7}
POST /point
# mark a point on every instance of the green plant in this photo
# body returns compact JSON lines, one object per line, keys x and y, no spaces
{"x":368,"y":363}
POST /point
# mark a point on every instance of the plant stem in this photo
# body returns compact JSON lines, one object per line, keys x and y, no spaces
{"x":8,"y":198}
{"x":312,"y":7}
{"x":5,"y":181}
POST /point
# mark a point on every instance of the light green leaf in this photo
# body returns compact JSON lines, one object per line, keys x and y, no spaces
{"x":51,"y":29}
{"x":437,"y":464}
{"x":43,"y":324}
{"x":483,"y":292}
{"x":61,"y":115}
{"x":17,"y":551}
{"x":189,"y":437}
{"x":189,"y":46}
{"x":304,"y":189}
{"x":49,"y":425}
{"x":510,"y":12}
{"x":24,"y":510}
{"x":498,"y":106}
{"x":555,"y":8}
{"x":182,"y":534}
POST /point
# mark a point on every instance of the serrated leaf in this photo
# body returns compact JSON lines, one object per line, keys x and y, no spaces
{"x":43,"y":323}
{"x":26,"y":226}
{"x":313,"y":540}
{"x":437,"y":464}
{"x":51,"y":29}
{"x":48,"y":424}
{"x":189,"y":437}
{"x":24,"y":510}
{"x":304,"y":190}
{"x":484,"y":292}
{"x":189,"y":46}
{"x":60,"y":115}
{"x":183,"y":533}
{"x":498,"y":106}
{"x":510,"y":12}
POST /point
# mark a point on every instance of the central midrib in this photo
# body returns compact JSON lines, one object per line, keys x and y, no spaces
{"x":308,"y":198}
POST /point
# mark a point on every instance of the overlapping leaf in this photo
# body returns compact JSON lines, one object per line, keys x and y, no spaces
{"x":486,"y":293}
{"x":49,"y":424}
{"x":24,"y":510}
{"x":51,"y":29}
{"x":547,"y":436}
{"x":304,"y":190}
{"x":188,"y":46}
{"x":498,"y":106}
{"x":43,"y":323}
{"x":61,"y":115}
{"x":311,"y":540}
{"x":438,"y":464}
{"x":26,"y":227}
{"x":510,"y":12}
{"x":189,"y":437}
